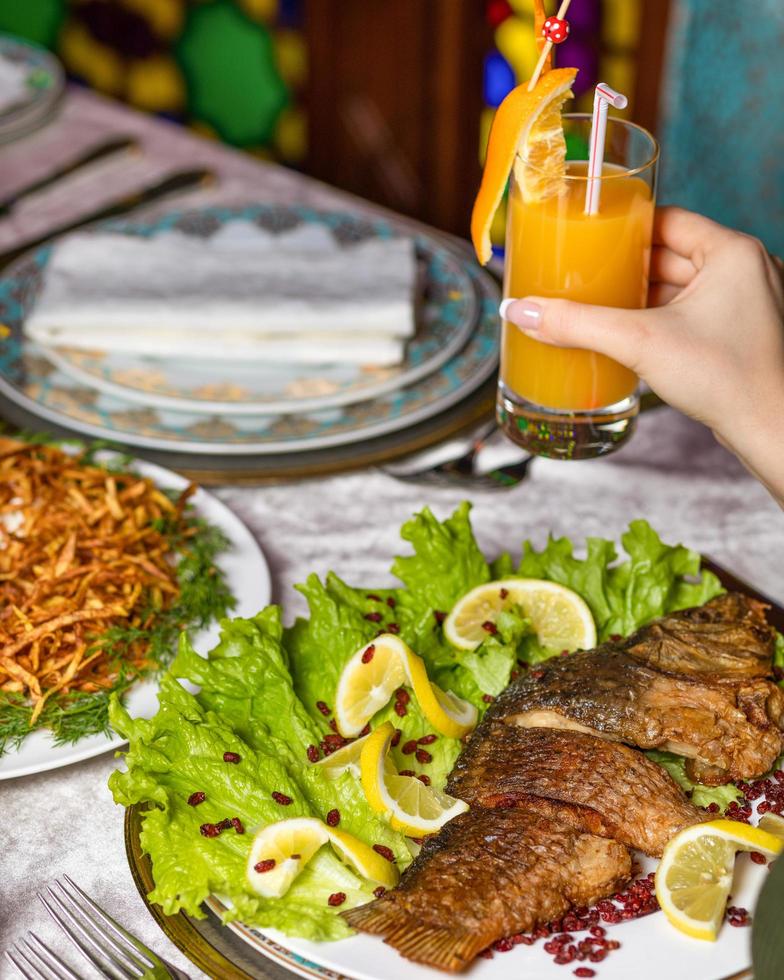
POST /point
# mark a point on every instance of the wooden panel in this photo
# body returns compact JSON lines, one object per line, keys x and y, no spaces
{"x":650,"y":62}
{"x":393,"y":102}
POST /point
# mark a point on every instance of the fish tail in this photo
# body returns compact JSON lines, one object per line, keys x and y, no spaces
{"x":449,"y":949}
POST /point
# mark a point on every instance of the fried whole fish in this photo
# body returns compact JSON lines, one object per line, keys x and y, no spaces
{"x":492,"y":873}
{"x":621,"y":793}
{"x":556,"y":796}
{"x":731,"y":729}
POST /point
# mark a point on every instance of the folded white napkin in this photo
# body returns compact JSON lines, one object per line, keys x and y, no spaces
{"x":241,"y":294}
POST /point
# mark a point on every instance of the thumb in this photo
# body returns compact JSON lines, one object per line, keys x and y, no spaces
{"x":619,"y":333}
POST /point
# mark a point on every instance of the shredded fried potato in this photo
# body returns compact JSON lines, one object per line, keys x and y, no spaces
{"x":81,"y":551}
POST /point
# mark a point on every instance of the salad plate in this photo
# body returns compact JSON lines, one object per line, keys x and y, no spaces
{"x":248,"y":578}
{"x":649,"y":946}
{"x":457,"y":353}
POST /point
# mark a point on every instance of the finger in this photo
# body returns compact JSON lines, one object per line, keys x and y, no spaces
{"x":688,"y":234}
{"x":667,"y":266}
{"x":662,"y":293}
{"x":619,"y":333}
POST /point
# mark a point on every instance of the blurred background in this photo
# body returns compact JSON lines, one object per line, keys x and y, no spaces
{"x":393,"y":99}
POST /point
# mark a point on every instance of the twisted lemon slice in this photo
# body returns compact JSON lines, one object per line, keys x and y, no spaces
{"x":376,"y":671}
{"x":343,"y":760}
{"x":281,"y":850}
{"x":694,"y":876}
{"x":414,"y":808}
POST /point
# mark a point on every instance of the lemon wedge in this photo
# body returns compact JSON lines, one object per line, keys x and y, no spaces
{"x":343,"y":760}
{"x":376,"y":671}
{"x":281,"y":850}
{"x":560,"y":618}
{"x":413,"y":808}
{"x":694,"y":876}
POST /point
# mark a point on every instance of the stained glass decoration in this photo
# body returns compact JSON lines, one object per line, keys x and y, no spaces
{"x":231,"y":69}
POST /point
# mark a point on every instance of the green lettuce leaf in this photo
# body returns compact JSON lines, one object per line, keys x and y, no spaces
{"x":700,"y":795}
{"x":180,"y":751}
{"x":655,"y":579}
{"x":246,"y":681}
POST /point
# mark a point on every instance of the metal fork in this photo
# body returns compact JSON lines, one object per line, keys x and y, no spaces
{"x":33,"y":959}
{"x":460,"y":471}
{"x":109,"y":948}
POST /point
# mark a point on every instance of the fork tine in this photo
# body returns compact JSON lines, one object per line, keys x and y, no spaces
{"x":82,"y":940}
{"x":139,"y":951}
{"x":51,"y":960}
{"x":14,"y":955}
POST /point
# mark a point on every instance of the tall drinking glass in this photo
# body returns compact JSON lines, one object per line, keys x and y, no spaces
{"x":562,"y":402}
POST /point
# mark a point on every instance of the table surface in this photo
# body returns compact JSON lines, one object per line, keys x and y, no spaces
{"x":673,"y":473}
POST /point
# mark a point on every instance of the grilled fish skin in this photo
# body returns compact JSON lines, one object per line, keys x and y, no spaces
{"x":728,"y":638}
{"x":491,"y":873}
{"x":731,"y":729}
{"x":624,"y":795}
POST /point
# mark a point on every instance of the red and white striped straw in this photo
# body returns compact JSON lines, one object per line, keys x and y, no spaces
{"x":604,"y":96}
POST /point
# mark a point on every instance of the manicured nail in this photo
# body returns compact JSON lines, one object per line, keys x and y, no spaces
{"x":527,"y":314}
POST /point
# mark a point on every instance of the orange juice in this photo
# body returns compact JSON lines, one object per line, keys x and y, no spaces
{"x":554,"y":249}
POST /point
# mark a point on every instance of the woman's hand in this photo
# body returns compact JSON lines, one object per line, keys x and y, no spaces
{"x":711,"y":343}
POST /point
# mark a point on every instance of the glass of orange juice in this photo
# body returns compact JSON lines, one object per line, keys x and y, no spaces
{"x":561,"y":402}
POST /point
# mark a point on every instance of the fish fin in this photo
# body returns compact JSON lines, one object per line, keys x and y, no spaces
{"x":447,"y":949}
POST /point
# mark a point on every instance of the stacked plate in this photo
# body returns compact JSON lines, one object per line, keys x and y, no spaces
{"x":31,"y":84}
{"x":217,"y":410}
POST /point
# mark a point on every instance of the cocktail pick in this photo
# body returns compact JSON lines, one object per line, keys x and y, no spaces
{"x":604,"y":96}
{"x":555,"y":30}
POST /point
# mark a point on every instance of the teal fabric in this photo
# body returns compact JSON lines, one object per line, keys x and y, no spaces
{"x":723,"y":131}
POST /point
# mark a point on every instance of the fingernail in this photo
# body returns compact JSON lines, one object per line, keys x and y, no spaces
{"x":527,"y":314}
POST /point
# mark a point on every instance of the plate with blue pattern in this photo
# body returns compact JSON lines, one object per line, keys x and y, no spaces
{"x":454,"y":352}
{"x":446,"y":309}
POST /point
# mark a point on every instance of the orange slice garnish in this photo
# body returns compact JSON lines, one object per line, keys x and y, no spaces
{"x":528,"y":123}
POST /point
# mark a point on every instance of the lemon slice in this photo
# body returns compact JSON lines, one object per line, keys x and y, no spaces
{"x":560,"y":618}
{"x":376,"y":671}
{"x":414,"y":809}
{"x":694,"y":876}
{"x":342,"y":760}
{"x":365,"y":861}
{"x":281,"y":850}
{"x":773,"y":824}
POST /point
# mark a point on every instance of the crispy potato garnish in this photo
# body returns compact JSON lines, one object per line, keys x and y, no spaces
{"x":81,"y":551}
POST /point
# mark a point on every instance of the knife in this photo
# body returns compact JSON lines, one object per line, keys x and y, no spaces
{"x":174,"y":183}
{"x":110,"y":147}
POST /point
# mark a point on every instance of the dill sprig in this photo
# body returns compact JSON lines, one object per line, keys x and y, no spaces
{"x":204,"y":597}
